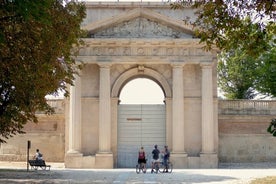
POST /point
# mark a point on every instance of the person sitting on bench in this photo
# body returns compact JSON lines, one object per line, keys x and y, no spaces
{"x":38,"y":155}
{"x":38,"y":161}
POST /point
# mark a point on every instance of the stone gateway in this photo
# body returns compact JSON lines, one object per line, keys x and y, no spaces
{"x":142,"y":40}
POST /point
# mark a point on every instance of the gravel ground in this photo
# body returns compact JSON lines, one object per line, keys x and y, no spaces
{"x":15,"y":172}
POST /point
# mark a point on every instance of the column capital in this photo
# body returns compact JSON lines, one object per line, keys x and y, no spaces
{"x":177,"y":65}
{"x":105,"y":65}
{"x":207,"y":65}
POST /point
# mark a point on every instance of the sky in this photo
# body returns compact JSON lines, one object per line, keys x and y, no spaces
{"x":142,"y":91}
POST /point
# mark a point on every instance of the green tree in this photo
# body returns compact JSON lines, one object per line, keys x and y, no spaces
{"x":236,"y":72}
{"x":221,"y":23}
{"x":245,"y":32}
{"x":242,"y":76}
{"x":36,"y":44}
{"x":265,"y":80}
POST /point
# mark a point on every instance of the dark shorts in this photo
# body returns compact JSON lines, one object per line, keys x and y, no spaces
{"x":141,"y":160}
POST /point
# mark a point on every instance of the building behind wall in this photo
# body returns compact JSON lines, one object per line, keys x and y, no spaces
{"x":147,"y":40}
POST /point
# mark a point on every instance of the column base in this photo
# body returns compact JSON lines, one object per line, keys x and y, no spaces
{"x":179,"y":160}
{"x":208,"y":160}
{"x":104,"y":160}
{"x":193,"y":162}
{"x":73,"y":159}
{"x":73,"y":152}
{"x":77,"y":160}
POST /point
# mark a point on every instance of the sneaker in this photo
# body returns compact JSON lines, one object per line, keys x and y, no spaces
{"x":152,"y":171}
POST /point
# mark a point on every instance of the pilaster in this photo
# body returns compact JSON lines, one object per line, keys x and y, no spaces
{"x":178,"y":156}
{"x":208,"y":157}
{"x":207,"y":110}
{"x":104,"y":157}
{"x":75,"y":118}
{"x":104,"y":110}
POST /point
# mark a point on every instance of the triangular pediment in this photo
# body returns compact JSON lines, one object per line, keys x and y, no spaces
{"x":139,"y":23}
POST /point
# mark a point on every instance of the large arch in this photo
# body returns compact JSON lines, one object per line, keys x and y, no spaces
{"x":153,"y":112}
{"x":141,"y":71}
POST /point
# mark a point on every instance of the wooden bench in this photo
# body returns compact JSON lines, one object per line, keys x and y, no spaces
{"x":35,"y":164}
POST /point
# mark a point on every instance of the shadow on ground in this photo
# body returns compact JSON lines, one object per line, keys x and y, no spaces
{"x":106,"y":177}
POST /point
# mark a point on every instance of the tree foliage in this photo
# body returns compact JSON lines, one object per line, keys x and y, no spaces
{"x":36,"y":41}
{"x":266,"y":72}
{"x":245,"y":32}
{"x":272,"y":127}
{"x":221,"y":23}
{"x":243,"y":76}
{"x":236,"y":71}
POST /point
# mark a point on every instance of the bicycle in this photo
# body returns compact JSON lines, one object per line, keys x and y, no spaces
{"x":141,"y":167}
{"x":163,"y":169}
{"x":160,"y":167}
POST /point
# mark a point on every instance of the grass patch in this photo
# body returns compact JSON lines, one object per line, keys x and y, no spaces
{"x":266,"y":180}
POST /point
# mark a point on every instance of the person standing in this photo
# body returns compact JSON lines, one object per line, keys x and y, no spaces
{"x":142,"y":157}
{"x":166,"y":157}
{"x":155,"y":157}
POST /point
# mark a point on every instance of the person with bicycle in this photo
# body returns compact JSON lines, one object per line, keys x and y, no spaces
{"x":142,"y":157}
{"x":155,"y":157}
{"x":166,"y":157}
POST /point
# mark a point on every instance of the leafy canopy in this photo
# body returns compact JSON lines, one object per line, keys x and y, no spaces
{"x":236,"y":71}
{"x":243,"y":76}
{"x":221,"y":23}
{"x":244,"y":32}
{"x":36,"y":41}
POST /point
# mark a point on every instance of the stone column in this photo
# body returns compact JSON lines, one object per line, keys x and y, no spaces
{"x":75,"y":117}
{"x":104,"y":110}
{"x":208,"y":155}
{"x":207,"y":110}
{"x":104,"y":157}
{"x":178,"y":138}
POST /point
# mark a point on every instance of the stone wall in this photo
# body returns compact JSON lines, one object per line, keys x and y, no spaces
{"x":47,"y":135}
{"x":242,"y":131}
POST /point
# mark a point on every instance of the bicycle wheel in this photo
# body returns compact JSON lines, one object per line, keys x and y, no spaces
{"x":170,"y":167}
{"x":161,"y":167}
{"x":144,"y":169}
{"x":137,"y":169}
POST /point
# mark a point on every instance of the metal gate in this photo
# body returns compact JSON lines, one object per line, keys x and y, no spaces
{"x":139,"y":125}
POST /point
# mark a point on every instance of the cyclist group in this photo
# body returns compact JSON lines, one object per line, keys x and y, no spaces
{"x":165,"y":154}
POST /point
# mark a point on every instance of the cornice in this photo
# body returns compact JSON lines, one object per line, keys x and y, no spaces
{"x":90,"y":42}
{"x":118,"y":4}
{"x":136,"y":13}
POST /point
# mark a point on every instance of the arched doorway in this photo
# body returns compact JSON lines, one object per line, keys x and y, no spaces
{"x":141,"y":120}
